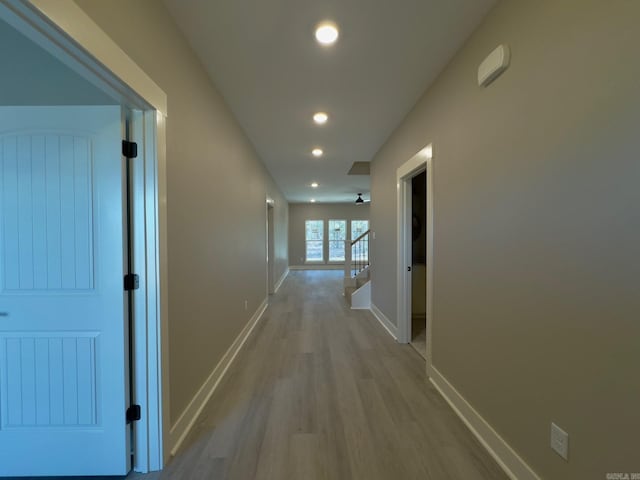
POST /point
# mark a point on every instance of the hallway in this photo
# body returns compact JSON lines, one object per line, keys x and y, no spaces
{"x":323,"y":392}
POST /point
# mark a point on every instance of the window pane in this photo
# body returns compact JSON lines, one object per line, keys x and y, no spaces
{"x":337,"y":236}
{"x":337,"y":229}
{"x":314,"y":230}
{"x":360,"y":251}
{"x":358,"y":227}
{"x":314,"y":240}
{"x":336,"y":251}
{"x":314,"y":251}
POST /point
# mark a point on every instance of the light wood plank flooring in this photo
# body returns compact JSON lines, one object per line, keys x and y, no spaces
{"x":419,"y":334}
{"x":322,"y":392}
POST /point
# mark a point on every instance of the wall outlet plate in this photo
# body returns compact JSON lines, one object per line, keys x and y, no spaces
{"x":559,"y":441}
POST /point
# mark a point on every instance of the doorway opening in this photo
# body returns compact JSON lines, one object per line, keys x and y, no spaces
{"x":271,"y":254}
{"x":415,"y":251}
{"x":65,"y":128}
{"x":419,"y":263}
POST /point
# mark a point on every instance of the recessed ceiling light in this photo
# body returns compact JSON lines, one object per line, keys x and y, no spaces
{"x":320,"y":118}
{"x":317,"y":152}
{"x":313,"y":200}
{"x":314,"y":185}
{"x":327,"y":33}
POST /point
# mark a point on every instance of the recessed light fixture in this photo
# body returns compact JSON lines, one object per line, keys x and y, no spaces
{"x":313,"y":200}
{"x":317,"y":152}
{"x":327,"y":33}
{"x":314,"y":185}
{"x":320,"y":118}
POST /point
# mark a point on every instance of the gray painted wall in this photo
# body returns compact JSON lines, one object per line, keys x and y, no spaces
{"x":32,"y":76}
{"x":299,"y":212}
{"x":217,"y":190}
{"x":537,"y":231}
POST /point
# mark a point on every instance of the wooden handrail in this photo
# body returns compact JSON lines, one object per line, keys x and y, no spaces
{"x":360,"y":237}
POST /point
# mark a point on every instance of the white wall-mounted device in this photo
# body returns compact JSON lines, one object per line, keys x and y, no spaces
{"x":492,"y":66}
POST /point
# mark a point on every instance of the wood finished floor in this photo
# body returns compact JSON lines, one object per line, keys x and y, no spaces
{"x":323,"y":392}
{"x":419,"y":334}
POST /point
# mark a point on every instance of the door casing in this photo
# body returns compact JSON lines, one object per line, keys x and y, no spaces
{"x":64,"y":30}
{"x":271,"y":257}
{"x":421,"y":161}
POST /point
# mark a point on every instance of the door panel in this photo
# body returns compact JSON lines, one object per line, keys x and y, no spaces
{"x":51,"y":381}
{"x":48,"y":234}
{"x":63,"y":357}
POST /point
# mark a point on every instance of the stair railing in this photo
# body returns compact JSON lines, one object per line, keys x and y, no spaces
{"x":357,"y":255}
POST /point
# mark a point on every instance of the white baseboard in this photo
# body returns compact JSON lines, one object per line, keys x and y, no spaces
{"x":512,"y":464}
{"x":320,"y":266}
{"x":385,"y":322}
{"x":279,"y":282}
{"x":189,"y":416}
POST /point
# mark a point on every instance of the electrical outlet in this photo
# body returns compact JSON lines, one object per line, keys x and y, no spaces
{"x":246,"y":304}
{"x":559,"y":441}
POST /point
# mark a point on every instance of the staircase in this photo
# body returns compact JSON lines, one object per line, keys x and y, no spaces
{"x":357,"y":283}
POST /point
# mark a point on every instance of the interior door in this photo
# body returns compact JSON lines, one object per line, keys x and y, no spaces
{"x":271,"y":253}
{"x":63,"y":354}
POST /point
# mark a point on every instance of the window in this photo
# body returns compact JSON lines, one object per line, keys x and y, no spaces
{"x":337,"y":237}
{"x":361,"y":250}
{"x":358,"y":227}
{"x":314,"y":240}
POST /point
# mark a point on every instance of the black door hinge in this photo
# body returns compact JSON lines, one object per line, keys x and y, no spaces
{"x":134,"y":413}
{"x":129,"y":149}
{"x":131,"y":282}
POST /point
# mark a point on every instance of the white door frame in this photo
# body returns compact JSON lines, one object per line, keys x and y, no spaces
{"x":420,"y":162}
{"x":270,"y":215}
{"x":64,"y":30}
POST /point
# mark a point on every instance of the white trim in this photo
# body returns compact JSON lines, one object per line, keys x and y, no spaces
{"x":148,"y":214}
{"x":421,"y":161}
{"x":67,"y":32}
{"x":139,"y":215}
{"x":279,"y":282}
{"x":189,"y":416}
{"x":384,"y":321}
{"x":512,"y":464}
{"x":270,"y":247}
{"x":320,"y":266}
{"x":430,"y":258}
{"x":162,"y":289}
{"x":415,"y":164}
{"x":404,"y":258}
{"x":107,"y":65}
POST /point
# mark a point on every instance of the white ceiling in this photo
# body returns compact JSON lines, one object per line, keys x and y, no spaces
{"x":263,"y":57}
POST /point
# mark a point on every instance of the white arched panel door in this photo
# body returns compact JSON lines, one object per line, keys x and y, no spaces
{"x":63,"y":356}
